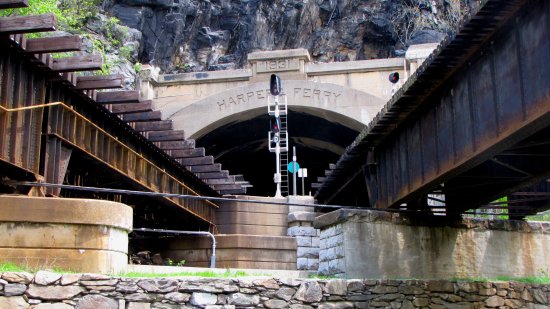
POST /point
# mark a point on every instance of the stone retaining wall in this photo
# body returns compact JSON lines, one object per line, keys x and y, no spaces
{"x":47,"y":290}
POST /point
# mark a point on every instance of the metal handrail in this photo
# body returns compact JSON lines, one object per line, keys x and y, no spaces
{"x":212,"y":257}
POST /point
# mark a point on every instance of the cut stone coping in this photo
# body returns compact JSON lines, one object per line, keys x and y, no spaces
{"x":377,"y":216}
{"x":18,"y":208}
{"x":300,"y":53}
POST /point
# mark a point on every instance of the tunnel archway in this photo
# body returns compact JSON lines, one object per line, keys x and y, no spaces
{"x":240,"y":144}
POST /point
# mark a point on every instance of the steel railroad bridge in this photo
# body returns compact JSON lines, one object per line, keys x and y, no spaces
{"x":470,"y":126}
{"x":55,"y":127}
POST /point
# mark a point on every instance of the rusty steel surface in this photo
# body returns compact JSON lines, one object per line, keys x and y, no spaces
{"x":38,"y":138}
{"x":74,"y":129}
{"x":453,"y":126}
{"x":21,"y":131}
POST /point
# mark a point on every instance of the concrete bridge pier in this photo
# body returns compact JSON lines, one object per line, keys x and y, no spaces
{"x":252,"y":235}
{"x":377,"y":244}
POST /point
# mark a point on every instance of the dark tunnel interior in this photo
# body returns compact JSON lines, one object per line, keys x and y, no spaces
{"x":241,"y":146}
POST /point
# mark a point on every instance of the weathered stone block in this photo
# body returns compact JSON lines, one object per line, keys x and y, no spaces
{"x":384,"y":289}
{"x":96,"y":301}
{"x":203,"y":299}
{"x":336,"y":287}
{"x":14,"y":289}
{"x":494,"y":301}
{"x":68,"y":279}
{"x":276,"y":304}
{"x":312,"y":264}
{"x":322,"y":243}
{"x":410,"y":290}
{"x":158,"y":285}
{"x":301,"y":216}
{"x":267,"y":283}
{"x":19,"y":277}
{"x":285,"y":293}
{"x":46,"y":277}
{"x":139,"y":297}
{"x":301,"y":263}
{"x":53,"y":292}
{"x":303,"y":241}
{"x":13,"y":303}
{"x":177,"y":297}
{"x":304,"y":252}
{"x":315,"y":241}
{"x":301,"y":231}
{"x":309,"y":292}
{"x":337,"y":266}
{"x":323,"y":268}
{"x":240,"y":299}
{"x":336,"y":305}
{"x":138,"y":306}
{"x":335,"y":241}
{"x":421,"y":302}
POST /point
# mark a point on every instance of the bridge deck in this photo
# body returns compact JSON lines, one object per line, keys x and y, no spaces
{"x":465,"y":125}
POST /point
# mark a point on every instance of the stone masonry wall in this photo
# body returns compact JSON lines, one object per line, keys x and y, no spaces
{"x":300,"y":226}
{"x":331,"y":252}
{"x":47,"y":290}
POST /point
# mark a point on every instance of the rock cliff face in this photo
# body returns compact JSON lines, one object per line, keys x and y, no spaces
{"x":195,"y":35}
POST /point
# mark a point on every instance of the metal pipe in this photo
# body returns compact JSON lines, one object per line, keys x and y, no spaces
{"x":144,"y":193}
{"x":212,"y":257}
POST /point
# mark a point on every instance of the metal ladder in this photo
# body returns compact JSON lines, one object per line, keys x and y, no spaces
{"x":284,"y":157}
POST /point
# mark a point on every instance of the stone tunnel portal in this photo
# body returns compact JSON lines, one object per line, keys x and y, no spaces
{"x":240,"y":144}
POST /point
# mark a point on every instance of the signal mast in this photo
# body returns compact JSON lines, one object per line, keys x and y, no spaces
{"x":278,"y":135}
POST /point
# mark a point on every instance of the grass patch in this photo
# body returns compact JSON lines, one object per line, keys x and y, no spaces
{"x":5,"y":267}
{"x":532,"y":280}
{"x":204,"y":274}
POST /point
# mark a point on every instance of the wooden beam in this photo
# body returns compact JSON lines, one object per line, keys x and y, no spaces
{"x":100,"y":82}
{"x":13,"y":4}
{"x":213,"y":175}
{"x":171,"y":135}
{"x":226,"y":187}
{"x":232,"y":192}
{"x":196,"y":161}
{"x":160,"y":125}
{"x":54,"y":44}
{"x":145,"y":116}
{"x":216,"y":167}
{"x":220,"y":181}
{"x":176,"y":145}
{"x":27,"y":24}
{"x":186,"y":153}
{"x":130,"y":107}
{"x":113,"y":97}
{"x":78,"y":63}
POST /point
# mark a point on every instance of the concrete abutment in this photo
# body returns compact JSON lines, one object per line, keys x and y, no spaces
{"x":71,"y":234}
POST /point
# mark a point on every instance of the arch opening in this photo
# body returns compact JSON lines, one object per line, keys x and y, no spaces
{"x":240,"y":144}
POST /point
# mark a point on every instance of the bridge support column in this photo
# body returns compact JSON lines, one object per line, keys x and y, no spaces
{"x":376,"y":244}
